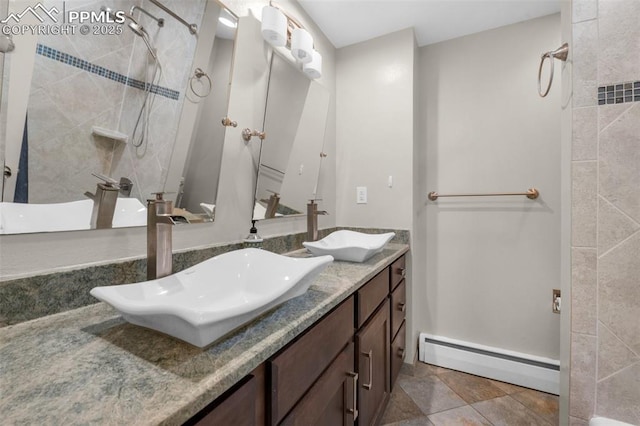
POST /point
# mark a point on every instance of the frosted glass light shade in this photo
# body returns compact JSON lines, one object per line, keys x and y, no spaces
{"x":302,"y":45}
{"x":314,"y":68}
{"x":274,"y":26}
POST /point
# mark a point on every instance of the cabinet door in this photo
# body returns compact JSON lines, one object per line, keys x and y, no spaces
{"x":372,"y":359}
{"x":237,"y":407}
{"x":398,"y":346}
{"x":331,"y":401}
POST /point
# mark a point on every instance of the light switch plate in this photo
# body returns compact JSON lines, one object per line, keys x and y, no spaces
{"x":361,"y":195}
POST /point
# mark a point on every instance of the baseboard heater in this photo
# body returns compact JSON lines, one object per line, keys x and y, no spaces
{"x":506,"y":366}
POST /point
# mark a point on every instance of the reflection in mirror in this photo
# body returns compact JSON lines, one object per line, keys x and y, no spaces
{"x":106,"y":103}
{"x":295,"y":120}
{"x":208,"y":88}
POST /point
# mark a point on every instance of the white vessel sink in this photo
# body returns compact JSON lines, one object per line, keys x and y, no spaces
{"x":203,"y":303}
{"x":18,"y":218}
{"x":350,"y":245}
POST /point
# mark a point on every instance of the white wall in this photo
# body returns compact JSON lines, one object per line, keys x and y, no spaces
{"x":374,"y":135}
{"x":491,"y":263}
{"x":31,"y":253}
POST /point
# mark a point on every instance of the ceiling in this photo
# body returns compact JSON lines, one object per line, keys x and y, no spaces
{"x":347,"y":22}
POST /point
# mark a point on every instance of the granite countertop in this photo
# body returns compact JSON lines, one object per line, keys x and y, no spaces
{"x":90,"y":366}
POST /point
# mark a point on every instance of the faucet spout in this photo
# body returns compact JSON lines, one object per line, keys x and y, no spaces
{"x":312,"y":220}
{"x":159,"y":237}
{"x":104,"y":202}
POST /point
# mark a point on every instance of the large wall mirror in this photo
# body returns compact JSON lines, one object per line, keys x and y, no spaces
{"x":291,"y":154}
{"x":139,"y":102}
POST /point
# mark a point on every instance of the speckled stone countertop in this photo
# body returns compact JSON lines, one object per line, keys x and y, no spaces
{"x":89,"y":366}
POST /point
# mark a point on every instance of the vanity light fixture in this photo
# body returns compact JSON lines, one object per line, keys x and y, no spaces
{"x":301,"y":45}
{"x":227,"y":19}
{"x":279,"y":29}
{"x":274,"y":26}
{"x":314,"y":68}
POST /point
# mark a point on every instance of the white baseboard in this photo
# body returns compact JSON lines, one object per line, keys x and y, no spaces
{"x":506,"y":366}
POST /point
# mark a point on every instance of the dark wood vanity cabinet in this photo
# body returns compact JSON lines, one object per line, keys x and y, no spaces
{"x":338,"y":372}
{"x":398,"y":315}
{"x":372,"y":349}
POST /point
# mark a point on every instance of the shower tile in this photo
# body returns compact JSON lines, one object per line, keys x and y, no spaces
{"x":584,"y":10}
{"x":543,"y":404}
{"x":619,"y":292}
{"x":584,"y":291}
{"x":585,"y":71}
{"x":584,"y":204}
{"x":583,"y":375}
{"x":430,"y":393}
{"x":459,"y":416}
{"x":585,"y":134}
{"x":44,"y":116}
{"x":618,"y":396}
{"x":471,"y":388}
{"x":77,"y":96}
{"x":613,"y":355}
{"x":619,"y":173}
{"x":613,"y":226}
{"x":608,"y":115}
{"x":506,"y":411}
{"x":619,"y":36}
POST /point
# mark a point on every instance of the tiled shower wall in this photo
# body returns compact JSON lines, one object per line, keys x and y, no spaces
{"x":67,"y":100}
{"x":605,"y":344}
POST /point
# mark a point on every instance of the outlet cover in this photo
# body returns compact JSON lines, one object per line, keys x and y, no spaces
{"x":361,"y":195}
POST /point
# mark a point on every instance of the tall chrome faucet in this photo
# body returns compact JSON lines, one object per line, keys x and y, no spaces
{"x":159,"y":225}
{"x":312,"y":220}
{"x":104,"y":202}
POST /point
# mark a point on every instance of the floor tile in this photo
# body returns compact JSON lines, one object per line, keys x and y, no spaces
{"x":507,"y":388}
{"x":401,"y":407}
{"x":506,"y":411}
{"x":543,"y":404}
{"x":430,"y":393}
{"x":422,"y":369}
{"x":466,"y":416}
{"x":420,"y":421}
{"x":471,"y":388}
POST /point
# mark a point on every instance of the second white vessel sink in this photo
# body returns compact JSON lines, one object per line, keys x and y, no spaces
{"x":203,"y":303}
{"x":350,"y":245}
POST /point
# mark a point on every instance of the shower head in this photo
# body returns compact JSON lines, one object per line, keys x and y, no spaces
{"x":137,"y":28}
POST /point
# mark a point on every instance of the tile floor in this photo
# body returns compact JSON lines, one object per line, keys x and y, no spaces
{"x":426,"y":395}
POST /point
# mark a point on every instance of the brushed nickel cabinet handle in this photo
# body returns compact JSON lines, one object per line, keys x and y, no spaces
{"x":402,"y":307}
{"x":400,"y":352}
{"x":369,"y":355}
{"x":402,"y":271}
{"x":354,"y":410}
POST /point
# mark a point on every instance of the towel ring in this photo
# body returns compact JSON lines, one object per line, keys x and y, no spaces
{"x":561,"y":53}
{"x":198,"y":74}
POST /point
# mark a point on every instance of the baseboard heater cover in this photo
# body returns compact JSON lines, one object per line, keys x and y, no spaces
{"x":520,"y":369}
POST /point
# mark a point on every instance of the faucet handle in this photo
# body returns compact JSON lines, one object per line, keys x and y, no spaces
{"x":107,"y":180}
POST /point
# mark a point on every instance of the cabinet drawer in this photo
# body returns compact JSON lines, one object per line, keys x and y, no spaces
{"x":371,"y":295}
{"x":398,"y":271}
{"x":332,"y":399}
{"x":398,"y":307}
{"x":397,"y":353}
{"x":294,"y":370}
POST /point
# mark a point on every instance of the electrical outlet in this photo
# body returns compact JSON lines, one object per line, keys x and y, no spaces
{"x":556,"y":301}
{"x":361,"y":195}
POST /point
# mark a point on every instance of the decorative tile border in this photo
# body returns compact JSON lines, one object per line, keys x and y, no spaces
{"x":65,"y":58}
{"x":619,"y":93}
